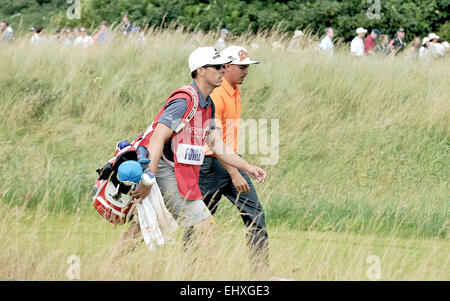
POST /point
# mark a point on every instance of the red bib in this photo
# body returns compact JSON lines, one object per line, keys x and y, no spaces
{"x":188,"y":141}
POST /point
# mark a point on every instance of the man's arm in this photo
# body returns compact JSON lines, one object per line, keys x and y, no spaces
{"x":238,"y":180}
{"x":166,"y":126}
{"x":156,"y":144}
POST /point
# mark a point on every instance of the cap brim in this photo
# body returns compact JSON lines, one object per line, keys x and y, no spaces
{"x":246,"y":62}
{"x":220,"y":61}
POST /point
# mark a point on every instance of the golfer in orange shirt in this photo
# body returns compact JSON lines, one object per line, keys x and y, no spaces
{"x":218,"y":178}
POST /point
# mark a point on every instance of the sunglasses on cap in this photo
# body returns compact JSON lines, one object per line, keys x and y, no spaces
{"x":217,"y":67}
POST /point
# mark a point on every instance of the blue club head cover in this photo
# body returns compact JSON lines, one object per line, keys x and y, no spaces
{"x":122,"y":144}
{"x":142,"y":154}
{"x":130,"y":172}
{"x":144,"y":163}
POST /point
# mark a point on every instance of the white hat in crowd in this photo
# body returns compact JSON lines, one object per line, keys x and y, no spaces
{"x":425,"y":40}
{"x":298,"y":33}
{"x":238,"y":55}
{"x":433,"y":36}
{"x":361,"y":30}
{"x":205,"y":56}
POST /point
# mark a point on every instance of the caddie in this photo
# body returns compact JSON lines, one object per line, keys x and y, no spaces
{"x":218,"y":178}
{"x":176,"y":142}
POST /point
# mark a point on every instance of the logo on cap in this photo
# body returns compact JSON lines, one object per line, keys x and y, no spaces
{"x":243,"y":55}
{"x":216,"y":55}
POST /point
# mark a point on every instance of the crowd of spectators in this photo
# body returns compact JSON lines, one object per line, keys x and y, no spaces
{"x":363,"y":44}
{"x":375,"y":43}
{"x":73,"y":36}
{"x":432,"y":46}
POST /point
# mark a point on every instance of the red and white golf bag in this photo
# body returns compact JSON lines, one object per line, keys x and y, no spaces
{"x":112,"y":198}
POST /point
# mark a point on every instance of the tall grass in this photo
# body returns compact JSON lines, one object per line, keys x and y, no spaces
{"x":364,"y":144}
{"x":39,"y":245}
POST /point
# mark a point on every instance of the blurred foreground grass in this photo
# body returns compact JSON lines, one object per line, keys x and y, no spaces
{"x":38,"y":246}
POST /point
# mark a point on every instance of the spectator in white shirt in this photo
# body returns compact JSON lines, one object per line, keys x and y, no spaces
{"x":440,"y":48}
{"x":6,"y":31}
{"x":423,"y":50}
{"x":357,"y":44}
{"x":84,"y":40}
{"x":431,"y":48}
{"x":326,"y":44}
{"x":68,"y":37}
{"x":38,"y":35}
{"x":446,"y":46}
{"x":221,"y":44}
{"x":295,"y":45}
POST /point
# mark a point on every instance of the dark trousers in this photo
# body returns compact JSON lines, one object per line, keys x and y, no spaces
{"x":215,"y":182}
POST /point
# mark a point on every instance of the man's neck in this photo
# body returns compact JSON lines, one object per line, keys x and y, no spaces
{"x":204,"y":87}
{"x":233,"y":85}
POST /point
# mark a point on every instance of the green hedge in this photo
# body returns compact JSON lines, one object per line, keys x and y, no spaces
{"x":418,"y":17}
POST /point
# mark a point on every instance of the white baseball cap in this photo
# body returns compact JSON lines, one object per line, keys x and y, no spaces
{"x":238,"y":55}
{"x":433,"y":36}
{"x":425,"y":40}
{"x":361,"y":30}
{"x":205,"y":56}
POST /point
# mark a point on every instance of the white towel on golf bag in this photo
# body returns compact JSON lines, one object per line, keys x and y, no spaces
{"x":157,"y":224}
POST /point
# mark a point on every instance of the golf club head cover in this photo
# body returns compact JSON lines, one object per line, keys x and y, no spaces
{"x":130,"y":172}
{"x":142,"y":154}
{"x":148,"y":178}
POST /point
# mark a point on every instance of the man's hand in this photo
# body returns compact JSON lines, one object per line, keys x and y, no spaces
{"x":256,"y":173}
{"x":140,"y":193}
{"x":240,"y":183}
{"x":225,"y":154}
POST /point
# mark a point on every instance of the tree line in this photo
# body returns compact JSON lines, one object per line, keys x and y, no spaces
{"x":418,"y":17}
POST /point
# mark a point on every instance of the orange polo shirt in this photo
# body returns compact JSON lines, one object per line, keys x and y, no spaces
{"x":227,"y":103}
